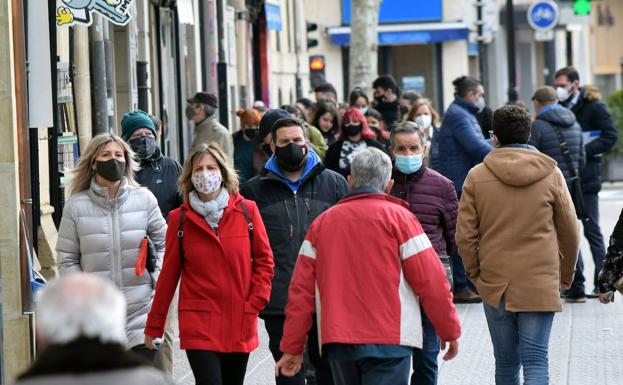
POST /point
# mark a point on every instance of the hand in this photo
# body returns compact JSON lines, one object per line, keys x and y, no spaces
{"x":149,"y":342}
{"x":289,"y":365}
{"x":453,"y":349}
{"x":604,"y":300}
{"x":565,"y":285}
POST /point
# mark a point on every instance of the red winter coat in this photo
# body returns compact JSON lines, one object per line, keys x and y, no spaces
{"x":364,"y":268}
{"x":223,"y":285}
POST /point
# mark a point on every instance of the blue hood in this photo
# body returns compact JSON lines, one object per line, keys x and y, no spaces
{"x":312,"y":160}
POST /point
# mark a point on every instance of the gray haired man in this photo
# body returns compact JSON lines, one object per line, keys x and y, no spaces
{"x":81,"y":328}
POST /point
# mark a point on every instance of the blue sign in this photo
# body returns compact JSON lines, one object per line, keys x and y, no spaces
{"x":402,"y":11}
{"x":543,"y":15}
{"x":273,"y":17}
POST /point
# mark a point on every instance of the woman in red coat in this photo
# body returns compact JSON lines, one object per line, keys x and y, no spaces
{"x":225,"y":266}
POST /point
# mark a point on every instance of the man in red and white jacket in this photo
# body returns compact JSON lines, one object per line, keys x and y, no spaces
{"x":364,"y":268}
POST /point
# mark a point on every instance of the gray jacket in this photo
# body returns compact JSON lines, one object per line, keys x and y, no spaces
{"x":210,"y":130}
{"x":104,"y":237}
{"x":132,"y":376}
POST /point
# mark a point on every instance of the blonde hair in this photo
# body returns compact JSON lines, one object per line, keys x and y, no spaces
{"x":423,"y":102}
{"x":82,"y":174}
{"x":229,"y":174}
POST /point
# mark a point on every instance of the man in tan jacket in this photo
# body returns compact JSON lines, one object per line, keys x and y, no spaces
{"x":518,"y":236}
{"x":201,"y":110}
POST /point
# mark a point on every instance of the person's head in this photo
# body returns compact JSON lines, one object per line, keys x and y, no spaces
{"x":408,"y":146}
{"x":201,"y":106}
{"x":307,"y":106}
{"x":260,"y":107}
{"x":139,"y":130}
{"x":471,"y":90}
{"x":108,"y":157}
{"x":359,"y":99}
{"x":249,"y":122}
{"x":375,"y":119}
{"x":294,"y":112}
{"x":567,"y":83}
{"x":80,"y":305}
{"x":206,"y":170}
{"x":511,"y":124}
{"x":385,"y":89}
{"x":355,"y":126}
{"x":289,"y":144}
{"x":266,"y":124}
{"x":371,"y":168}
{"x":325,"y":91}
{"x":325,"y":117}
{"x":407,"y":99}
{"x":423,"y":113}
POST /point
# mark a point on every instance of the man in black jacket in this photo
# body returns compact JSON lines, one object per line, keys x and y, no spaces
{"x":386,"y":100}
{"x":292,"y":190}
{"x":599,"y":137}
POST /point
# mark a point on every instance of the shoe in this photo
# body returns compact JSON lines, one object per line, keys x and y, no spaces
{"x":575,"y":298}
{"x":467,"y":296}
{"x":593,"y":294}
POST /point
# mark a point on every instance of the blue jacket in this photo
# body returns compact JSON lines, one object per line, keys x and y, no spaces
{"x":461,"y":143}
{"x":544,"y":137}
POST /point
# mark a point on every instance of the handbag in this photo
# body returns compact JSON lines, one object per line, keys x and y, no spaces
{"x":575,"y":187}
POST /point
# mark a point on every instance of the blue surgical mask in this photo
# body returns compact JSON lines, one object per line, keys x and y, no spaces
{"x":363,"y":110}
{"x":408,"y":164}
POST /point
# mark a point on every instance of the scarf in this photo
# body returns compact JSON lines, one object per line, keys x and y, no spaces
{"x":211,"y":211}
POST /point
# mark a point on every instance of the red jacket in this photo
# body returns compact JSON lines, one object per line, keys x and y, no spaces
{"x":362,"y":267}
{"x":223,"y":285}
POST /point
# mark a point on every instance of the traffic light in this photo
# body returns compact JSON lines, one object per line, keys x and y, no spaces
{"x":316,"y":70}
{"x":582,"y":7}
{"x":311,"y":42}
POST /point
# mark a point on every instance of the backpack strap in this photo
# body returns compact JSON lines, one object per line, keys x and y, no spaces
{"x":180,"y":235}
{"x":565,"y":152}
{"x":249,"y":223}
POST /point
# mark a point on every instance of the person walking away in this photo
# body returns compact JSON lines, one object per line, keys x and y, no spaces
{"x":201,"y":110}
{"x":373,"y":251}
{"x":519,"y":238}
{"x":386,"y":100}
{"x":600,"y":135}
{"x":293,"y":189}
{"x":113,"y":228}
{"x":431,"y":197}
{"x":218,"y":253}
{"x":461,"y":147}
{"x":81,"y":338}
{"x":354,"y":136}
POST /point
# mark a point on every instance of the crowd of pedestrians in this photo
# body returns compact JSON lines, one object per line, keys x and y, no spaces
{"x":401,"y":212}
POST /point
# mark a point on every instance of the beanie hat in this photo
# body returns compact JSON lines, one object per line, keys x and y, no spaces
{"x":133,"y":120}
{"x":249,"y":117}
{"x":269,"y":118}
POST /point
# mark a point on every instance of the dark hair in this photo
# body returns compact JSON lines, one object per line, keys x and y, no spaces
{"x":326,"y":87}
{"x":375,"y":114}
{"x":411,"y":96}
{"x":464,"y":84}
{"x":307,"y":103}
{"x":286,"y":122}
{"x":355,"y":94}
{"x":386,"y":82}
{"x":322,"y":108}
{"x":569,"y":72}
{"x":292,"y":110}
{"x":511,"y":124}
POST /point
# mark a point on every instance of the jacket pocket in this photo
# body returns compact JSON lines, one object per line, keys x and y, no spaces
{"x":249,"y":323}
{"x":195,"y":318}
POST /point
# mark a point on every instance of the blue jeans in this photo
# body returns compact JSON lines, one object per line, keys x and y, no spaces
{"x":425,"y":359}
{"x":372,"y":371}
{"x":519,"y":339}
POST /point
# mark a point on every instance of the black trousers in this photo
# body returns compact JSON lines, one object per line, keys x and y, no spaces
{"x":212,"y":368}
{"x":274,"y":328}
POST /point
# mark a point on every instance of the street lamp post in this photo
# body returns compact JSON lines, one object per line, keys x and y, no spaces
{"x":510,"y":42}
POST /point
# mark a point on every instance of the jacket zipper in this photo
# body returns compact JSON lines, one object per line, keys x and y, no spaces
{"x":116,"y":255}
{"x":291,"y":231}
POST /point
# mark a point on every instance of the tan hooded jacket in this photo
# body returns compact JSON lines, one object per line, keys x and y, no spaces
{"x":517,"y":231}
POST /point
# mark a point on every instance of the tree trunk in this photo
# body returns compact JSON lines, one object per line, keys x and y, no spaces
{"x":363,"y":56}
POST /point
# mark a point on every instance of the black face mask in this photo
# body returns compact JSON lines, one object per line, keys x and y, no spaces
{"x":250,"y":132}
{"x":352,"y":129}
{"x":266,"y":149}
{"x":112,"y":170}
{"x":404,"y":110}
{"x":380,"y":99}
{"x":291,"y":157}
{"x":144,"y":147}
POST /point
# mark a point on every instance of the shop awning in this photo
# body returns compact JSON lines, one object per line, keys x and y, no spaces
{"x":416,"y":33}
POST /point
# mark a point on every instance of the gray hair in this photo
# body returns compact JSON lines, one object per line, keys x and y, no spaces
{"x":371,"y":167}
{"x":81,"y":305}
{"x":407,"y":127}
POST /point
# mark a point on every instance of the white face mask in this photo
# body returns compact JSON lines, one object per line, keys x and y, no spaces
{"x":480,"y":103}
{"x":563,"y":93}
{"x":424,"y":121}
{"x":207,"y":182}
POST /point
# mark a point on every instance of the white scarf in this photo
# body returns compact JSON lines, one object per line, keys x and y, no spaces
{"x":211,"y":211}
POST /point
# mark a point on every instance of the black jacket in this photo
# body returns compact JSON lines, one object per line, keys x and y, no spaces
{"x":613,"y":263}
{"x":287,"y":216}
{"x":544,"y":138}
{"x":592,"y":115}
{"x":332,"y":159}
{"x":159,"y":174}
{"x":390,"y":112}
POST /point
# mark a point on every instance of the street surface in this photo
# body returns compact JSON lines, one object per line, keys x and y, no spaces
{"x":585,"y":344}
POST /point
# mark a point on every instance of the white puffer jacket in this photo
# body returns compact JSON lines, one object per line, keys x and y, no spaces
{"x":104,"y":237}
